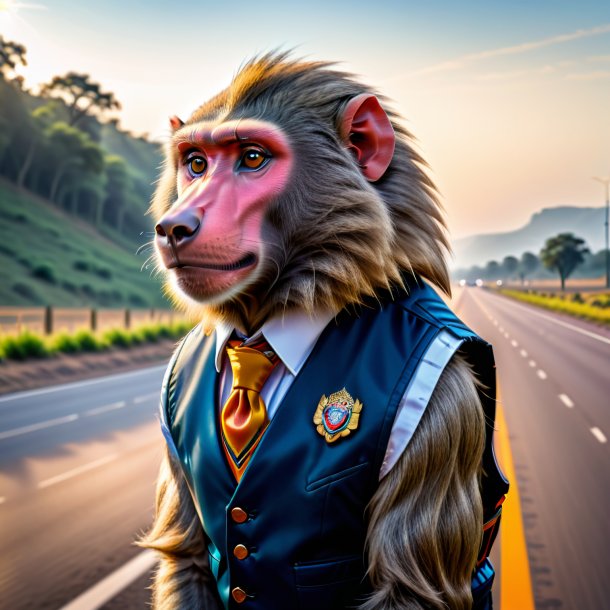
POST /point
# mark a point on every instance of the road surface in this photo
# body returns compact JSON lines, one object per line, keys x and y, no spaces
{"x":554,"y":377}
{"x":78,"y":463}
{"x":77,"y":471}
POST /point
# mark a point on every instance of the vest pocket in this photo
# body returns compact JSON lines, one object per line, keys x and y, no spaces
{"x":334,"y":477}
{"x":328,"y":585}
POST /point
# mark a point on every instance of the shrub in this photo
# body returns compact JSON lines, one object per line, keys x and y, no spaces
{"x":104,"y":273}
{"x":45,"y":272}
{"x":118,"y":338}
{"x":25,"y":345}
{"x":180,"y":328}
{"x":65,"y":343}
{"x":149,"y":333}
{"x":164,"y":332}
{"x":137,"y":300}
{"x":87,"y":290}
{"x":26,"y":291}
{"x":69,"y":286}
{"x":577,"y":298}
{"x":81,"y":265}
{"x":87,"y":341}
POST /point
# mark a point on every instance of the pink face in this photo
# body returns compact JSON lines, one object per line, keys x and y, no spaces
{"x":227,"y":174}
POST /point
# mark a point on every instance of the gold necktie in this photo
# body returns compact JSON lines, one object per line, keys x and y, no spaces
{"x":243,"y":417}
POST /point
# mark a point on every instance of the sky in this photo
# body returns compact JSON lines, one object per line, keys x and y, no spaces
{"x":509,"y":101}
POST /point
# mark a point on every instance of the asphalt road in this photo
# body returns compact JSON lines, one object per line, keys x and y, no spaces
{"x":554,"y":376}
{"x":78,"y":463}
{"x":77,"y":471}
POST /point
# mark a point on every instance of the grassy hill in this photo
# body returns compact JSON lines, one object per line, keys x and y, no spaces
{"x":48,"y":257}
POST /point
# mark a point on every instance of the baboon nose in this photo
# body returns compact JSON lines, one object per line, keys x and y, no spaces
{"x":179,"y":226}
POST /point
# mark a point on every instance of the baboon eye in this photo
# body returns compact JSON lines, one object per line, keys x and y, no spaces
{"x":196,"y":165}
{"x":253,"y":159}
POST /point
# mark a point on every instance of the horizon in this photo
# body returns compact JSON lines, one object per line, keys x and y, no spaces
{"x":508,"y":104}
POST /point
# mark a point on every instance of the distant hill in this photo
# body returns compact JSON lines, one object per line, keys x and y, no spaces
{"x":48,"y":257}
{"x":587,"y":223}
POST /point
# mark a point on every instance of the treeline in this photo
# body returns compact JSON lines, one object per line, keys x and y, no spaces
{"x":54,"y":145}
{"x":563,"y":254}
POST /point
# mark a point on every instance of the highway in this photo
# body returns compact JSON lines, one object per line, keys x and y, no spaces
{"x":77,"y":471}
{"x":78,"y":463}
{"x":553,"y":373}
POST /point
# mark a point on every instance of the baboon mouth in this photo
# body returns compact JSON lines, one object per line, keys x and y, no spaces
{"x":244,"y":262}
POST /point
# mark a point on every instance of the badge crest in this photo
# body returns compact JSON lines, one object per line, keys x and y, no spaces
{"x":337,"y":415}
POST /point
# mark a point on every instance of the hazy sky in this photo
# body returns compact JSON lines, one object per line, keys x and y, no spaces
{"x":509,"y":101}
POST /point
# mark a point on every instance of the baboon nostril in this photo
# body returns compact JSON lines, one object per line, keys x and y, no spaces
{"x":181,"y":231}
{"x":179,"y":226}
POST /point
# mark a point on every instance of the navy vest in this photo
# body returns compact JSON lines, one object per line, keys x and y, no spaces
{"x":299,"y":510}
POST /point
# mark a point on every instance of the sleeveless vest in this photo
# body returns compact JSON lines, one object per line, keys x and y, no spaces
{"x":299,"y":510}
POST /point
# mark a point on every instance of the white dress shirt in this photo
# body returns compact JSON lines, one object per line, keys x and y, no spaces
{"x":293,"y":336}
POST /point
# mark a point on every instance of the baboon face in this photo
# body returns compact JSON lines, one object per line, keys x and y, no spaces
{"x":227,"y":174}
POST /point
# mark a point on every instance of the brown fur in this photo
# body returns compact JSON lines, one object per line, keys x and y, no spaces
{"x":183,"y":579}
{"x":332,"y":240}
{"x":425,"y":518}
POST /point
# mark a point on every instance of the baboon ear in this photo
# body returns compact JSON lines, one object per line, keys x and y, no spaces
{"x":368,"y":133}
{"x":175,"y":122}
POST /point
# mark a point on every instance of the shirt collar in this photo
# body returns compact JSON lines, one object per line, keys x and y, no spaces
{"x":292,"y":337}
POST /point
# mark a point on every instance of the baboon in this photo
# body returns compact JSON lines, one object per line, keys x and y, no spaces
{"x":295,"y":219}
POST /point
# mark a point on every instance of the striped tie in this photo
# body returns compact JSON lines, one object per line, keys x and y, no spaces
{"x":244,"y":415}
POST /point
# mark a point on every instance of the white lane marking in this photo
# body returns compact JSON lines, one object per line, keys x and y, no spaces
{"x":577,"y":329}
{"x":501,"y":329}
{"x":2,"y":500}
{"x":76,"y":471}
{"x":599,"y":435}
{"x":541,"y":374}
{"x":514,"y":343}
{"x":566,"y":400}
{"x":532,"y":363}
{"x":79,"y":384}
{"x":114,"y":583}
{"x":523,"y":353}
{"x":495,"y":322}
{"x":506,"y":335}
{"x":39,"y":426}
{"x":138,"y":399}
{"x":112,"y":407}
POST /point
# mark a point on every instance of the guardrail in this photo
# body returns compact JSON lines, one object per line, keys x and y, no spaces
{"x":48,"y":320}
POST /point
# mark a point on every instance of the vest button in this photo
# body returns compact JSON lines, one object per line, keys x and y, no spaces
{"x":239,"y":515}
{"x":239,"y":595}
{"x":240,"y":551}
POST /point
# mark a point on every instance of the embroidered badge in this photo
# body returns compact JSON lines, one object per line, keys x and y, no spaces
{"x":337,"y":415}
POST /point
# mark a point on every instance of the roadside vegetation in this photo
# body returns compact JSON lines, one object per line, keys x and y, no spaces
{"x":589,"y":306}
{"x":28,"y":345}
{"x":74,"y":190}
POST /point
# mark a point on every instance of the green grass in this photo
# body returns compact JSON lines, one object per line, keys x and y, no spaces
{"x":50,"y":258}
{"x":28,"y":345}
{"x":595,"y":307}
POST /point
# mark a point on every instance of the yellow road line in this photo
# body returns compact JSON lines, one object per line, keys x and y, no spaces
{"x":515,"y":580}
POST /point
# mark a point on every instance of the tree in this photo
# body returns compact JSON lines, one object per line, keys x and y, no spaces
{"x":563,"y":253}
{"x":119,"y":190}
{"x":509,"y":266}
{"x":528,"y":264}
{"x":41,"y":118}
{"x":77,"y":159}
{"x":492,"y":270}
{"x":11,"y":55}
{"x":81,"y":95}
